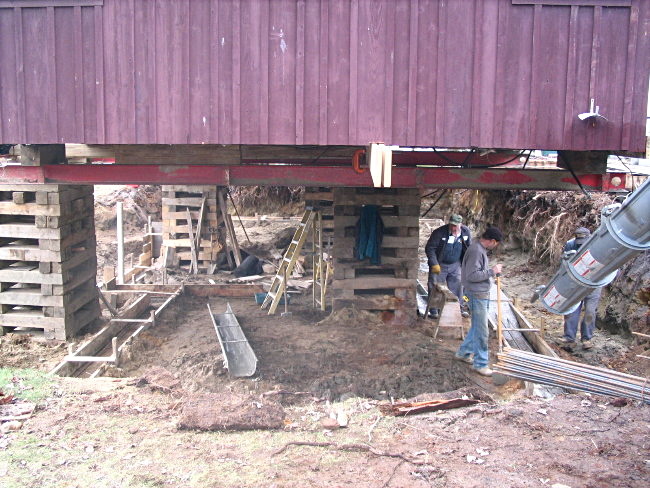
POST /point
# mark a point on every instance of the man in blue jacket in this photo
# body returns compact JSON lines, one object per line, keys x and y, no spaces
{"x":445,"y":250}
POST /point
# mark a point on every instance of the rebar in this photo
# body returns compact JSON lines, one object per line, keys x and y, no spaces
{"x":571,"y":375}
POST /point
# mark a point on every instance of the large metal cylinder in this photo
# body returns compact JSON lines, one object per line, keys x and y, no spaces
{"x":624,"y":232}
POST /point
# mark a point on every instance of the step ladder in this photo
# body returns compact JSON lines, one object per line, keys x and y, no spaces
{"x":288,"y":262}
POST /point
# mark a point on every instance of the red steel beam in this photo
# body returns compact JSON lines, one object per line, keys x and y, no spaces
{"x":283,"y":175}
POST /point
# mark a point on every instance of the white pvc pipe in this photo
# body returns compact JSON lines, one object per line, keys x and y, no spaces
{"x":120,"y":244}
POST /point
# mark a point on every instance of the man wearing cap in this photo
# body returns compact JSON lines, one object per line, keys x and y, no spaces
{"x":477,"y":280}
{"x":589,"y":304}
{"x":445,"y":250}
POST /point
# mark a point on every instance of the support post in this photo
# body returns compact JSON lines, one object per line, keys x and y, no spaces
{"x":120,"y":244}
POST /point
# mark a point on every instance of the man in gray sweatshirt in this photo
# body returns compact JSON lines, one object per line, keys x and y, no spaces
{"x":476,"y":277}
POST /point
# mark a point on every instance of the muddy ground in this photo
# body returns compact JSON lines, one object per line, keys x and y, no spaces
{"x":142,"y":427}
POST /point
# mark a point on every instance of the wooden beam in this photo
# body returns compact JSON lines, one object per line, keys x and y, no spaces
{"x":40,"y":154}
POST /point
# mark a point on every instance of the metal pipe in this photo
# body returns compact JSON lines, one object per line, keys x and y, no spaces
{"x":623,"y":234}
{"x":571,"y":375}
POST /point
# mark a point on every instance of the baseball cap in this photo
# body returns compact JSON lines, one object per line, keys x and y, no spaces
{"x":493,"y":233}
{"x":582,"y":234}
{"x":455,"y":219}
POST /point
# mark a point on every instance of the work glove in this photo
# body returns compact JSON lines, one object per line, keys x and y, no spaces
{"x":435,"y":269}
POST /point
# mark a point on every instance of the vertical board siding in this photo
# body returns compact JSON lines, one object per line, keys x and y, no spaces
{"x":282,"y":44}
{"x":454,"y":73}
{"x":66,"y":74}
{"x":9,"y":110}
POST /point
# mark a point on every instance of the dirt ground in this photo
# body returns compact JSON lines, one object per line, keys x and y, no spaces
{"x":139,"y":428}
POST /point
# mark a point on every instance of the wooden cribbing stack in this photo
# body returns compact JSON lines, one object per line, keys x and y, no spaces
{"x":191,"y":220}
{"x":48,"y":258}
{"x":389,"y":288}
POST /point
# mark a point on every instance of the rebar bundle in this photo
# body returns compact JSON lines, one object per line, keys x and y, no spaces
{"x":569,"y":374}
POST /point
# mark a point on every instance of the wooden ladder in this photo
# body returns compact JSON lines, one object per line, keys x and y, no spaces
{"x":289,"y":261}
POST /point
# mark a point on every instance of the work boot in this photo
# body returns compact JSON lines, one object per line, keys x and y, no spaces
{"x":568,"y":344}
{"x":433,"y":313}
{"x":465,"y":359}
{"x":485,"y":371}
{"x":587,"y":344}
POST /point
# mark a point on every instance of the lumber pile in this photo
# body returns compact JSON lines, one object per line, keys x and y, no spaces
{"x":388,"y":289}
{"x":47,"y":258}
{"x":191,"y":226}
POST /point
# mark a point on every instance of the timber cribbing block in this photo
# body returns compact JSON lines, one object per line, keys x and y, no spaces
{"x":321,"y":199}
{"x":388,"y":289}
{"x":176,"y":200}
{"x":48,"y":258}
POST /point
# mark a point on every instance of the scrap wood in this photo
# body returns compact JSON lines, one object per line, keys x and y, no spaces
{"x":16,"y":411}
{"x":350,"y":447}
{"x":5,"y":398}
{"x":409,"y":408}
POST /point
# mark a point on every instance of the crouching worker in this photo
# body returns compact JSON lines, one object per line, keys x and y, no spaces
{"x":589,"y":303}
{"x":477,"y":279}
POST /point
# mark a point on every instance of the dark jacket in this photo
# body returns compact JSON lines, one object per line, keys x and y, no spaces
{"x":438,"y":241}
{"x":573,"y":245}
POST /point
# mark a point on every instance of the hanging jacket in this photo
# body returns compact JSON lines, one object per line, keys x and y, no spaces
{"x":370,"y":232}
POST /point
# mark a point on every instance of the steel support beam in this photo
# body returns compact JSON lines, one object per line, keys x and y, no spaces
{"x":284,"y":175}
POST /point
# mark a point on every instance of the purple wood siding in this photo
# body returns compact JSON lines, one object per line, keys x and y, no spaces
{"x":455,"y":73}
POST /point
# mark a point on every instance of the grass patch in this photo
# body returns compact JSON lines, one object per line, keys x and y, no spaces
{"x":27,"y":384}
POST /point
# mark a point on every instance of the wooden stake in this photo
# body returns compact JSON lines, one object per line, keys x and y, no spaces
{"x":120,"y":244}
{"x":499,"y":324}
{"x":110,"y":307}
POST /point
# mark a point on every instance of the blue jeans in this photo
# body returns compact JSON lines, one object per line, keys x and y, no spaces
{"x":588,"y":324}
{"x":476,"y":340}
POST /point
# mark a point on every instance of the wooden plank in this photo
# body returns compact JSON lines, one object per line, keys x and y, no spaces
{"x":187,"y":201}
{"x":536,"y":340}
{"x":32,"y":208}
{"x":170,"y":218}
{"x":205,"y":243}
{"x":387,"y":242}
{"x":177,"y":154}
{"x":41,"y":154}
{"x":388,"y":220}
{"x":22,"y":274}
{"x":194,"y":267}
{"x":373,"y":283}
{"x":241,"y":290}
{"x":231,"y":231}
{"x":199,"y":224}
